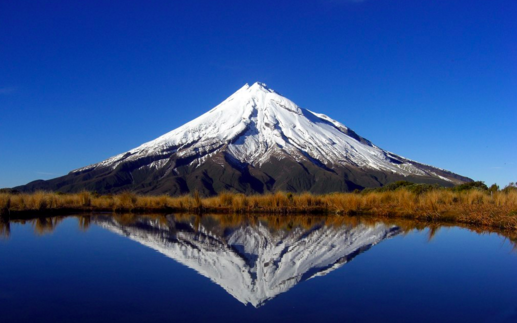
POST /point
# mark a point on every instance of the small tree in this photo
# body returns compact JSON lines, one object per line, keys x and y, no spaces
{"x":510,"y":187}
{"x":494,"y":188}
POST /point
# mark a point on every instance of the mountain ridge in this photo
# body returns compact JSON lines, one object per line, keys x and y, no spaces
{"x":263,"y":142}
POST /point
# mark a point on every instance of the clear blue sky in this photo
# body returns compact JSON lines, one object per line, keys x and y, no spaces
{"x":434,"y":81}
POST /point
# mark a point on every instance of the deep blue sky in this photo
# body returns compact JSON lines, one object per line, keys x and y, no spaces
{"x":434,"y":81}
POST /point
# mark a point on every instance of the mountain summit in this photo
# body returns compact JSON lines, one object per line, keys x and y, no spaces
{"x":255,"y":141}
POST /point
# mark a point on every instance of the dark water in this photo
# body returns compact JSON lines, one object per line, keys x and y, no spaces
{"x":249,"y":269}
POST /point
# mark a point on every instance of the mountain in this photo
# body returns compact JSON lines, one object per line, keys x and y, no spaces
{"x":252,"y":262}
{"x":255,"y":141}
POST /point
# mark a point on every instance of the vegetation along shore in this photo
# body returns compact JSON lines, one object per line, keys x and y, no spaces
{"x":471,"y":203}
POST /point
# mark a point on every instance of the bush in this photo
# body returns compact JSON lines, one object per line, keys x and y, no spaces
{"x":494,"y":188}
{"x":416,"y":188}
{"x":512,"y":187}
{"x":479,"y":185}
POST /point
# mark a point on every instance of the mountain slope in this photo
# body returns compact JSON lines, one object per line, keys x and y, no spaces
{"x":253,"y":142}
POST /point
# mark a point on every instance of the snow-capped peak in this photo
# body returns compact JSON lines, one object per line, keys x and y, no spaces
{"x":259,"y":86}
{"x":255,"y":124}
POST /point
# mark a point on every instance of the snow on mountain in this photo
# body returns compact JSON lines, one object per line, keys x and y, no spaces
{"x":256,"y":123}
{"x":253,"y":263}
{"x":254,"y":142}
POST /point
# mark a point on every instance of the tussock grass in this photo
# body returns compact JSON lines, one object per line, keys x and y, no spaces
{"x":475,"y":207}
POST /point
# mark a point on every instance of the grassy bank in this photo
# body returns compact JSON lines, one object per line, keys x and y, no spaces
{"x":474,"y":207}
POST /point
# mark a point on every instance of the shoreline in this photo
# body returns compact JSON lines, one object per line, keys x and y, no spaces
{"x":472,"y":207}
{"x":48,"y":220}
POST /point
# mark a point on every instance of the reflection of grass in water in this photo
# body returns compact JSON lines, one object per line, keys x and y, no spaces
{"x":408,"y":225}
{"x":276,"y":223}
{"x":46,"y":225}
{"x":5,"y":228}
{"x":84,"y":223}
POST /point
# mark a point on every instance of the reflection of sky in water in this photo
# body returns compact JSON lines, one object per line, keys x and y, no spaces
{"x":95,"y":275}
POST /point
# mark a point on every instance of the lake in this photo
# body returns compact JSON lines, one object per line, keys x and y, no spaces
{"x":233,"y":268}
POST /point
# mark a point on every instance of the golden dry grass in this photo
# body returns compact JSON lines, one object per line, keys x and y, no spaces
{"x":469,"y":207}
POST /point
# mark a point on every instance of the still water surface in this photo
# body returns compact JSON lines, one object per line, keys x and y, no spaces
{"x":186,"y":268}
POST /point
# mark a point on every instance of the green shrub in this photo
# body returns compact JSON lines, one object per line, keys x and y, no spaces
{"x":479,"y":185}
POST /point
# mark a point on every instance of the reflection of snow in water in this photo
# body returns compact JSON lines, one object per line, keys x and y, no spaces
{"x":252,"y":262}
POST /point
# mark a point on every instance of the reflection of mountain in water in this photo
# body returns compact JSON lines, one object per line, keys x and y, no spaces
{"x":252,"y":262}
